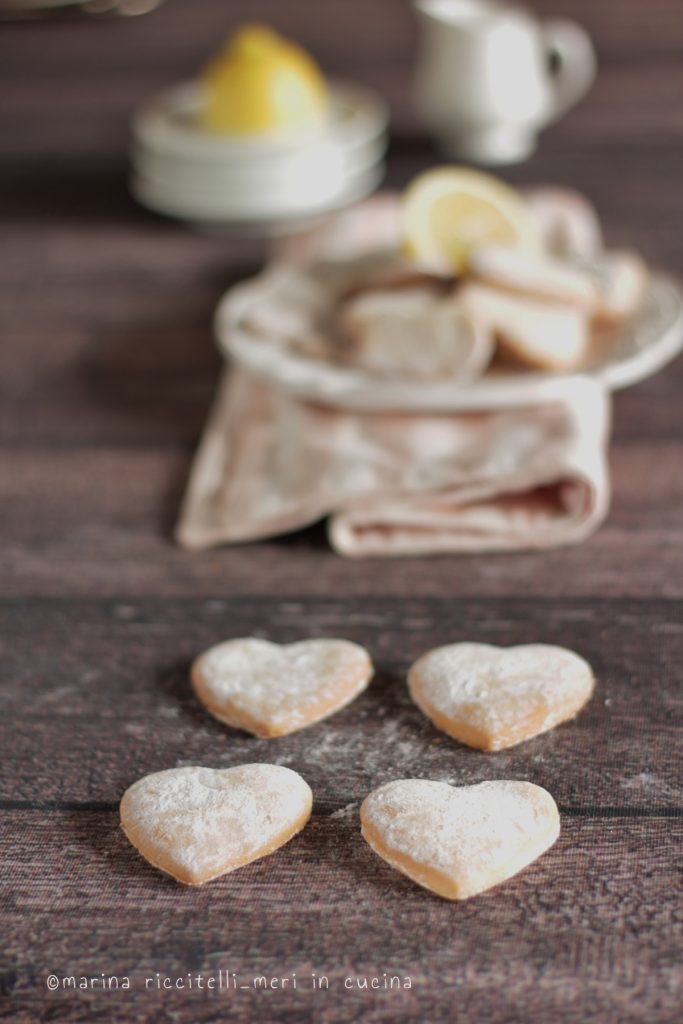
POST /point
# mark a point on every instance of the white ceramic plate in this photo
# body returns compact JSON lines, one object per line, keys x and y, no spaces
{"x":267,"y":174}
{"x":643,"y":347}
{"x":183,"y":171}
{"x":219,"y":207}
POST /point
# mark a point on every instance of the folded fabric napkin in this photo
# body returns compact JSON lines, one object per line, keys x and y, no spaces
{"x":396,"y":483}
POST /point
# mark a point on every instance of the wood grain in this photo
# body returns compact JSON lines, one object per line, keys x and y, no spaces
{"x":93,"y":697}
{"x":107,"y":368}
{"x":592,"y":926}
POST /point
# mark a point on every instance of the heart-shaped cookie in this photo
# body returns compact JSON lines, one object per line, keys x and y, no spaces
{"x":494,"y":697}
{"x":459,"y":841}
{"x":272,"y":689}
{"x":198,"y":823}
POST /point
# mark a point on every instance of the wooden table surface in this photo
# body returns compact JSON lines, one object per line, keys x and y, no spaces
{"x":107,"y":370}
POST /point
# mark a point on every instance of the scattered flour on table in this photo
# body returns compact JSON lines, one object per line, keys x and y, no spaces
{"x":347,"y":811}
{"x":652,"y":785}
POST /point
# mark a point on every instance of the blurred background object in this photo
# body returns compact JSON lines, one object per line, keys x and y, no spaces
{"x":490,"y":76}
{"x":262,"y":84}
{"x":260,"y":142}
{"x":14,"y":9}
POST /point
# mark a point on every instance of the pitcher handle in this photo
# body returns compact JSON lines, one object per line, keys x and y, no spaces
{"x":571,"y":47}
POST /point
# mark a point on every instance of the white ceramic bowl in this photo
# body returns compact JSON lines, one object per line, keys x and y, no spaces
{"x":186,"y":170}
{"x":182,"y":170}
{"x":643,"y":347}
{"x":257,"y":217}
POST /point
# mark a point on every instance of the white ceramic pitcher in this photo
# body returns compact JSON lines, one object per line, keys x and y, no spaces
{"x":491,"y":75}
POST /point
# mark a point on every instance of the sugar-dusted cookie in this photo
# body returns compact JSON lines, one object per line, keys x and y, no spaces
{"x":534,"y":275}
{"x":272,"y":689}
{"x":494,"y":697}
{"x":459,"y":841}
{"x":567,"y":222}
{"x":621,"y":279}
{"x":414,"y":333}
{"x":540,"y":333}
{"x":198,"y":823}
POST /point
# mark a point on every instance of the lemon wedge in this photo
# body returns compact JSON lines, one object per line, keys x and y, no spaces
{"x":262,"y":84}
{"x":448,"y":211}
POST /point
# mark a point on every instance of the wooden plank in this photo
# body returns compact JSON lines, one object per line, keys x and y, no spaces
{"x":172,"y":43}
{"x":629,"y":102}
{"x":585,"y":935}
{"x":117,"y":703}
{"x":53,"y":115}
{"x":149,"y":383}
{"x":105,"y":530}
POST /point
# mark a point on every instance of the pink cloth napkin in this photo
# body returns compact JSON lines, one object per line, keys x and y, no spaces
{"x":398,"y":484}
{"x":395,"y":483}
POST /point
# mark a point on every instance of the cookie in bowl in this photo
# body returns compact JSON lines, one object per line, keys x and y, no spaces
{"x":458,"y":295}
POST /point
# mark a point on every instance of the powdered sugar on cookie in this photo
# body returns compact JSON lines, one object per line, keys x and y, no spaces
{"x":459,"y":841}
{"x":271,"y":689}
{"x":491,"y":697}
{"x":198,"y":823}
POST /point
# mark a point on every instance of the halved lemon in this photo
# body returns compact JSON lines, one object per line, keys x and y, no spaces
{"x":448,"y":211}
{"x":262,"y":84}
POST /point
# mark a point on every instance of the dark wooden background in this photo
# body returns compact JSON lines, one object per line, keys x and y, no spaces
{"x":107,"y":369}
